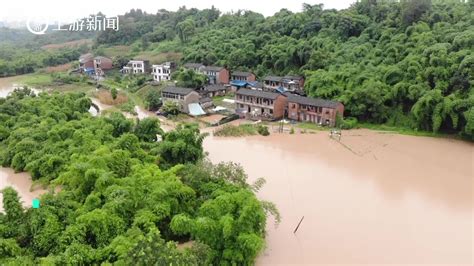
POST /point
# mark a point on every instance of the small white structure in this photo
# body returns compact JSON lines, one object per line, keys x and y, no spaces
{"x":163,"y":72}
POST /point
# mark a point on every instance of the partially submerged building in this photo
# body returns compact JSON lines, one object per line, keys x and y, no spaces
{"x":318,"y":111}
{"x":256,"y":105}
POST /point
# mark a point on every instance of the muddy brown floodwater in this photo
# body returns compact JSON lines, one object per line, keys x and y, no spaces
{"x":375,"y":198}
{"x":21,"y":182}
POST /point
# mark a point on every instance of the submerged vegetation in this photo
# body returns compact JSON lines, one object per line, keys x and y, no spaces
{"x":242,"y":130}
{"x":124,"y":197}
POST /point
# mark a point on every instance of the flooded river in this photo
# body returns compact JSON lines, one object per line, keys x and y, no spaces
{"x":21,"y":182}
{"x":375,"y":198}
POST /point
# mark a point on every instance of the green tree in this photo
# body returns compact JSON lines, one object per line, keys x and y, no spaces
{"x":147,"y":129}
{"x":153,"y":100}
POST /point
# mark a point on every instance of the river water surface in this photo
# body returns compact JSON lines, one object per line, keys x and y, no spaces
{"x":373,"y":198}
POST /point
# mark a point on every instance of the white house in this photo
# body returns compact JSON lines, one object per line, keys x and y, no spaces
{"x":163,"y":71}
{"x":136,"y":67}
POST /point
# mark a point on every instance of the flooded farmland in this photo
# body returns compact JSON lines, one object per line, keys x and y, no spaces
{"x":372,"y":199}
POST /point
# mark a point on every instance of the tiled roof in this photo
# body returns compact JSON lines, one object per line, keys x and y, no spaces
{"x":293,"y":77}
{"x":258,"y":93}
{"x":178,"y":90}
{"x":241,"y":73}
{"x":102,"y":57}
{"x":212,"y":68}
{"x":212,"y":88}
{"x":311,"y":101}
{"x":273,"y":78}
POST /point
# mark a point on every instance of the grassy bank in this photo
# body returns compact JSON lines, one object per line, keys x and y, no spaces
{"x":241,"y":130}
{"x":405,"y":131}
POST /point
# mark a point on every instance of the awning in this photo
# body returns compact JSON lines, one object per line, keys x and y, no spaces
{"x":195,"y":109}
{"x":239,"y":83}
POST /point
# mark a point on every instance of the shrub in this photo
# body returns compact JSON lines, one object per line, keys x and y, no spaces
{"x":263,"y":130}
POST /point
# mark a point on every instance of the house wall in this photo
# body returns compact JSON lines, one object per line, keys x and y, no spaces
{"x":105,"y":64}
{"x":251,"y":78}
{"x":327,"y":116}
{"x":293,"y":111}
{"x":279,"y":106}
{"x":88,"y":64}
{"x":301,"y":82}
{"x":223,"y":76}
{"x":193,"y":97}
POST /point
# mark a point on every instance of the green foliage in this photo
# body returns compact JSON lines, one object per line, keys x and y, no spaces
{"x":153,"y":100}
{"x":188,"y":78}
{"x":181,"y":146}
{"x":148,"y":128}
{"x":263,"y":130}
{"x":114,"y":93}
{"x":25,"y":57}
{"x":171,"y":108}
{"x":381,"y":59}
{"x":236,"y":131}
{"x":116,"y":206}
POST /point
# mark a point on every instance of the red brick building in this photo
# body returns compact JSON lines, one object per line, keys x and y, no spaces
{"x":318,"y":111}
{"x":216,"y":74}
{"x":243,"y":76}
{"x":288,"y":83}
{"x":256,"y":105}
{"x":86,"y":61}
{"x":101,"y":64}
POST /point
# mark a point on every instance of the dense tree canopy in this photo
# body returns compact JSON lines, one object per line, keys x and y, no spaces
{"x":124,"y":197}
{"x":406,"y":63}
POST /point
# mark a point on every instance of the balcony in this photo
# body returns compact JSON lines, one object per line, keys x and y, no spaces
{"x":253,"y":103}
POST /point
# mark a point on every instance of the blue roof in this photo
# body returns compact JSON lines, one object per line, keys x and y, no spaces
{"x":281,"y":89}
{"x":90,"y":70}
{"x":239,"y":83}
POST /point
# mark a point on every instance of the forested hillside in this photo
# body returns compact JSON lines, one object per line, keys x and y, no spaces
{"x":123,"y":195}
{"x":407,"y":63}
{"x":22,"y":52}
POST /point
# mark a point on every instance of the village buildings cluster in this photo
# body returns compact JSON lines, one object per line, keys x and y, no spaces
{"x":272,"y":98}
